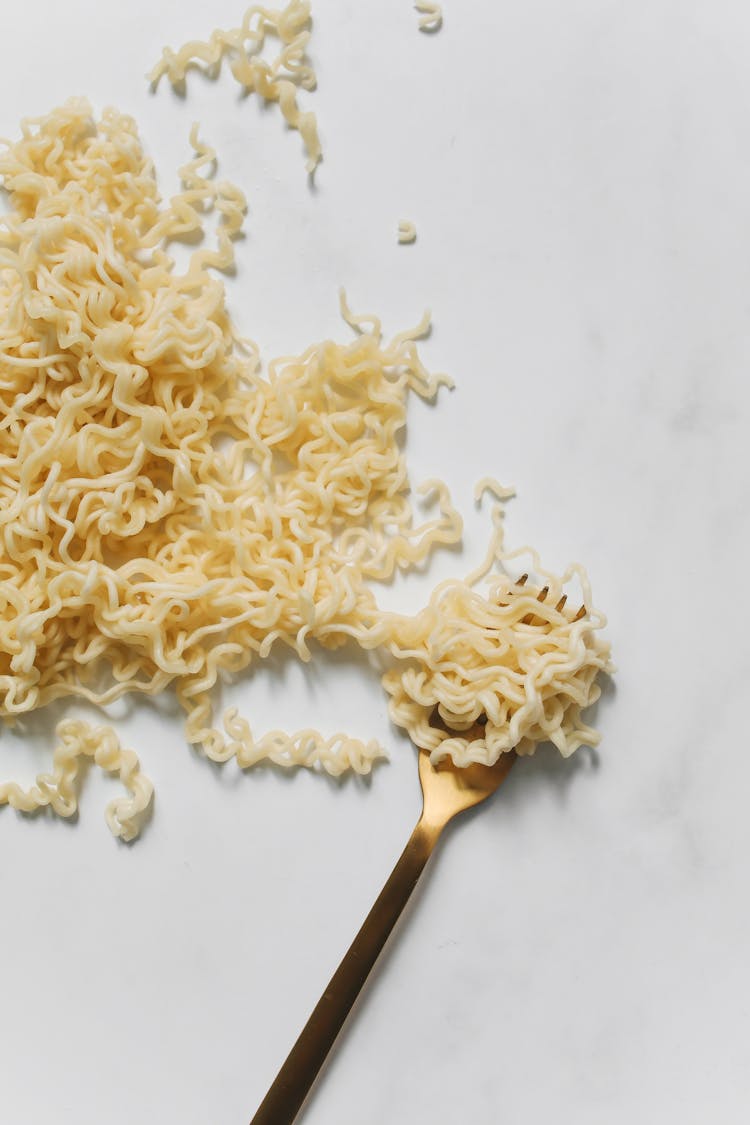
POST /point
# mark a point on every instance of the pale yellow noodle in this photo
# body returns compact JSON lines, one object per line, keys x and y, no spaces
{"x":277,"y":81}
{"x":432,"y":18}
{"x":58,"y":790}
{"x":170,"y":516}
{"x":407,"y":232}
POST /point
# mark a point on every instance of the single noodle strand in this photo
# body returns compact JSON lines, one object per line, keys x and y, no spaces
{"x":432,"y":20}
{"x":407,"y":232}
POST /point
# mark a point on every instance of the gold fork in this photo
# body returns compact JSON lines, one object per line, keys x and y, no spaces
{"x":446,"y":791}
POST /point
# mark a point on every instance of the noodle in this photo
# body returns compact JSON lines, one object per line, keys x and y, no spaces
{"x":432,"y":20}
{"x":407,"y":232}
{"x":524,"y":668}
{"x":277,"y":81}
{"x":78,"y":740}
{"x":170,"y":516}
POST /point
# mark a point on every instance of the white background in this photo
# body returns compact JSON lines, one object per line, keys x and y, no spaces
{"x":579,"y":175}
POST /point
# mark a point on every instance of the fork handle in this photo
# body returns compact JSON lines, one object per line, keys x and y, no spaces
{"x":296,"y":1077}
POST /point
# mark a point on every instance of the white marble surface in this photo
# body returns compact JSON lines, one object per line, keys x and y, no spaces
{"x":579,"y":174}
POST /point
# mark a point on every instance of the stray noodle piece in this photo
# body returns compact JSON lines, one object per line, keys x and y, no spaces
{"x":170,"y":516}
{"x":277,"y":81}
{"x":432,"y":20}
{"x":407,"y":232}
{"x":57,"y":790}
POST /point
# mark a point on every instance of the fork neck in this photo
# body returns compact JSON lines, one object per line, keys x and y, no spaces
{"x":428,"y":828}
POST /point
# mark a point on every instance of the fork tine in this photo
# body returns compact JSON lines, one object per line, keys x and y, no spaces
{"x":530,"y":618}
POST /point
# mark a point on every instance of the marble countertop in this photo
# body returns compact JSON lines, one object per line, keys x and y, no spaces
{"x":579,"y":177}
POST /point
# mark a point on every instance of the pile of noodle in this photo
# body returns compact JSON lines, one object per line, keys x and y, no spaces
{"x":168,"y":515}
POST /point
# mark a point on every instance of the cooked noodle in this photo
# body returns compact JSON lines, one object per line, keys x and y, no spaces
{"x":58,"y":789}
{"x":407,"y":232}
{"x":277,"y":81}
{"x":170,"y":516}
{"x":432,"y":19}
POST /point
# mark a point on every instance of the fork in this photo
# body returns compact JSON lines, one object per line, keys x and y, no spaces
{"x":447,"y":790}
